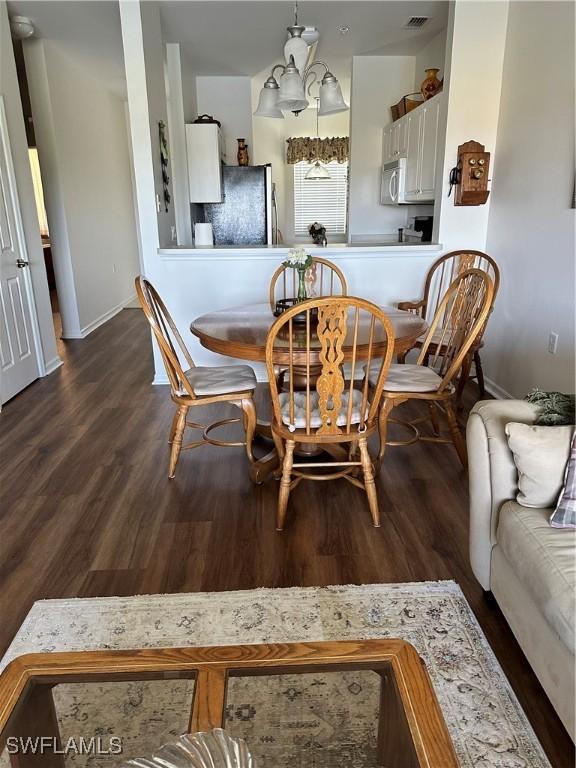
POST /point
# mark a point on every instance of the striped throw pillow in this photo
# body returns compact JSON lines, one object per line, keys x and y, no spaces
{"x":564,"y":516}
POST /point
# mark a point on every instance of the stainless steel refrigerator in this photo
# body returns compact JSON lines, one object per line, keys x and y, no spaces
{"x":245,"y":215}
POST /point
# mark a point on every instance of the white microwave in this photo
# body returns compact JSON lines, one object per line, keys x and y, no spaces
{"x":393,"y":182}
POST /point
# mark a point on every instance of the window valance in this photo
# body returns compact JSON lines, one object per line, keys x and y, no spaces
{"x":312,"y":149}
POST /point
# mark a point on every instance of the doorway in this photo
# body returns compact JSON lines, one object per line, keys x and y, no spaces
{"x":38,"y":192}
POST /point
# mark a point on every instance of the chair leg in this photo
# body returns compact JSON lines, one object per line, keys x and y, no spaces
{"x":285,"y":485}
{"x":479,"y":373}
{"x":173,"y":427}
{"x":434,"y":417}
{"x":401,"y":357}
{"x":385,"y":410}
{"x":180,"y":426}
{"x":249,"y":410}
{"x":456,"y":434}
{"x":369,"y":481}
{"x":463,"y":378}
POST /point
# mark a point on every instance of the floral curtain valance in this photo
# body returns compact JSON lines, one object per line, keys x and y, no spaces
{"x":324,"y":150}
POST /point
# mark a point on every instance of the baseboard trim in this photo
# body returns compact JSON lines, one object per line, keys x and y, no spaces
{"x":497,"y":391}
{"x":87,"y":329}
{"x":160,"y":378}
{"x":52,"y":365}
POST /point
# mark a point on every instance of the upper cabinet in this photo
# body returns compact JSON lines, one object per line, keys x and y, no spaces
{"x":206,"y":155}
{"x":415,"y":137}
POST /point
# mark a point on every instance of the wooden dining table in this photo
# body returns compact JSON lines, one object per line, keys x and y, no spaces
{"x":241,"y":332}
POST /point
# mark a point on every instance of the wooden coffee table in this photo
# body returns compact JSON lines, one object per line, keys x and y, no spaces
{"x":411,"y":732}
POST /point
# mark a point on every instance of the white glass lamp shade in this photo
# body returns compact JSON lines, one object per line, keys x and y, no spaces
{"x":268,"y":103}
{"x":318,"y":171}
{"x":331,"y":99}
{"x":291,"y":96}
{"x":298,"y":49}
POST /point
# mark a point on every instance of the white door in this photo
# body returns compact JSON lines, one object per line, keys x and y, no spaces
{"x":18,"y":361}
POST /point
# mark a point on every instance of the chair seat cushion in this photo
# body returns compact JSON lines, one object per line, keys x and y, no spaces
{"x":405,"y":377}
{"x":315,"y":418}
{"x":544,"y":559}
{"x":221,"y":380}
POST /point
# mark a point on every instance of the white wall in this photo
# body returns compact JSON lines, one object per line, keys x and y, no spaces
{"x":229,"y":100}
{"x":377,"y":83}
{"x":188,"y":88}
{"x":431,"y":55}
{"x":19,"y":147}
{"x":83,"y":149}
{"x":474,"y":77}
{"x":157,"y":110}
{"x":531,"y":225}
{"x":177,"y":143}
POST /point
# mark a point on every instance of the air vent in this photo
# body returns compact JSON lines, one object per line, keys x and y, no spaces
{"x":416,"y":22}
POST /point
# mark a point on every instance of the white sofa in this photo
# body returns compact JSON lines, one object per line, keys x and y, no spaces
{"x":529,"y":567}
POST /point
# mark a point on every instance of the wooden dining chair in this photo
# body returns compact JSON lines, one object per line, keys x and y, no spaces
{"x":440,"y":276}
{"x":459,"y":319}
{"x":322,"y":279}
{"x":197,"y":385}
{"x":330,"y":410}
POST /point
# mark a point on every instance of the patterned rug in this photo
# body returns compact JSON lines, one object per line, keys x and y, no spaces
{"x":323,"y":721}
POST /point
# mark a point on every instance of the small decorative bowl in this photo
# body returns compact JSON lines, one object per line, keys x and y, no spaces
{"x":282,"y":305}
{"x":212,"y":749}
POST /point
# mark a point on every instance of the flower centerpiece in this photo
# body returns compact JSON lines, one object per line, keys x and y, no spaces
{"x":299,"y":260}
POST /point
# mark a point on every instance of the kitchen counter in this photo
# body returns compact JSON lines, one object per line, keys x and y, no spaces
{"x":196,"y":281}
{"x":336,"y":251}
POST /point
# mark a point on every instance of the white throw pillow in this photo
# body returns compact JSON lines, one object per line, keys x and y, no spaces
{"x":540,"y":455}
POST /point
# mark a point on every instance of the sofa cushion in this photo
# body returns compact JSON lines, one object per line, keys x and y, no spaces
{"x":540,"y":455}
{"x":544,"y":559}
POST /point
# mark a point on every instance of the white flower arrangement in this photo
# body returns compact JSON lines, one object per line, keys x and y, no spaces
{"x":298,"y":259}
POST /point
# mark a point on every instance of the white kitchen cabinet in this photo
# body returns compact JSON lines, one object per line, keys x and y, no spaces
{"x":412,"y":180}
{"x":415,"y":137}
{"x":430,"y":121}
{"x":387,"y":144}
{"x":205,"y":149}
{"x":394,"y":141}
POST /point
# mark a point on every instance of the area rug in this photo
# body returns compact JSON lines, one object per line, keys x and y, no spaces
{"x":328,"y":721}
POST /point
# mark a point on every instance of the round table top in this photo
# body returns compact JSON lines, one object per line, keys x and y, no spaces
{"x":241,"y":332}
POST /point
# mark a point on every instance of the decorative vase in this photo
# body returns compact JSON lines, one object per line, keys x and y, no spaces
{"x":302,"y":285}
{"x":242,"y":155}
{"x":431,"y":85}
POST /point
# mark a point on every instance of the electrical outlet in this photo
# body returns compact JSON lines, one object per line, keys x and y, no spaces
{"x":114,"y":268}
{"x":553,"y":343}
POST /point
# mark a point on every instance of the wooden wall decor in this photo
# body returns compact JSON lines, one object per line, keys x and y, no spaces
{"x":471,"y":177}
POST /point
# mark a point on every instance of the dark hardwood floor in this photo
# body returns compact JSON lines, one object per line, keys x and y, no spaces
{"x":87,"y":509}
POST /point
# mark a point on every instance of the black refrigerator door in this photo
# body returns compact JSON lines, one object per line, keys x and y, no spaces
{"x":241,"y":218}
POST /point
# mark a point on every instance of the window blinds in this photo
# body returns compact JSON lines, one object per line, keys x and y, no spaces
{"x":321,"y":200}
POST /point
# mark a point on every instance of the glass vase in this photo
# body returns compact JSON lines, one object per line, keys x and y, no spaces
{"x":302,"y":285}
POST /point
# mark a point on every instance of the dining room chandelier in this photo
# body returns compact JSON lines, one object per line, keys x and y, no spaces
{"x":289,"y":95}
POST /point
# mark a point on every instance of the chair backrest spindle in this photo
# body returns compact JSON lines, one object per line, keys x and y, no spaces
{"x":169,"y":340}
{"x":459,"y":319}
{"x":318,"y":277}
{"x":337,"y":330}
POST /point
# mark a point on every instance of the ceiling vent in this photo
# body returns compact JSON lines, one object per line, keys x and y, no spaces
{"x":416,"y":22}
